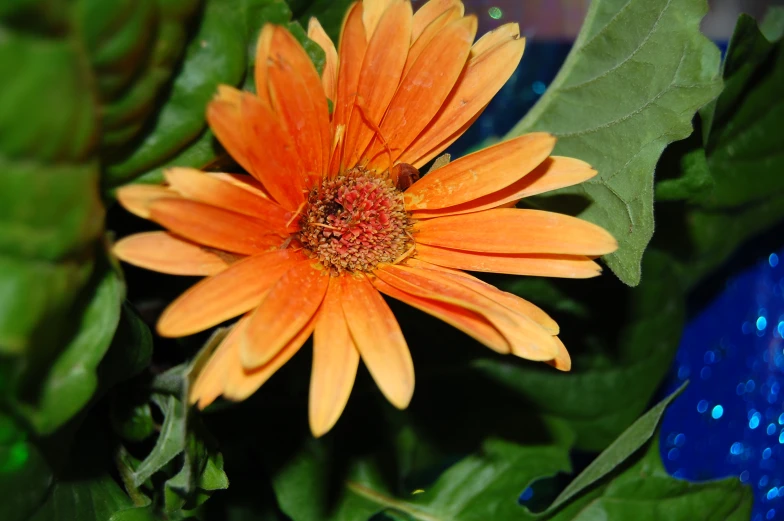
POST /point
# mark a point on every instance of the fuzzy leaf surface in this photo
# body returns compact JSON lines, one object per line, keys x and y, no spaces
{"x":636,"y":75}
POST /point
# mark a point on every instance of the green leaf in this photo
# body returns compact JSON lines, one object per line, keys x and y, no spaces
{"x":201,"y":474}
{"x":171,"y":440}
{"x":772,"y":25}
{"x":486,"y":486}
{"x":716,"y":235}
{"x":25,"y":476}
{"x":619,"y":451}
{"x":200,"y":154}
{"x":744,"y":155}
{"x":85,"y":490}
{"x":110,"y":344}
{"x":134,"y":47}
{"x":636,"y":75}
{"x":72,"y":378}
{"x":693,"y":185}
{"x":50,"y":212}
{"x":739,"y":152}
{"x":586,"y":398}
{"x":645,"y":492}
{"x":88,"y":499}
{"x":132,"y":422}
{"x":482,"y":486}
{"x":182,"y":436}
{"x":130,"y":351}
{"x":222,"y":51}
{"x":215,"y":55}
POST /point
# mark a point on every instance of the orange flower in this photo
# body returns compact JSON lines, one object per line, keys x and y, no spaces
{"x":330,"y":218}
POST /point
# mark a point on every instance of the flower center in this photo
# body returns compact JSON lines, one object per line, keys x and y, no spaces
{"x":355,"y":221}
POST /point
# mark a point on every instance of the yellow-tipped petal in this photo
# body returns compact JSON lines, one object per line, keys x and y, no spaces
{"x":335,"y":362}
{"x":167,"y":253}
{"x":137,"y":198}
{"x":379,"y":340}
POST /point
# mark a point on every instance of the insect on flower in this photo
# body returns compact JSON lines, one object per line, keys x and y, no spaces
{"x":333,"y":213}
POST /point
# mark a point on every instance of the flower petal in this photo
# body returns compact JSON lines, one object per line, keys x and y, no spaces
{"x":300,"y":102}
{"x":379,"y":340}
{"x":335,"y":362}
{"x":469,"y":322}
{"x":562,"y":361}
{"x":526,"y":338}
{"x":496,"y":37}
{"x":289,"y":305}
{"x":509,"y":300}
{"x":554,"y":172}
{"x":211,"y":380}
{"x":244,"y":181}
{"x":512,"y":230}
{"x":481,"y":173}
{"x":483,"y":77}
{"x":422,"y":91}
{"x":382,"y":68}
{"x":275,"y":164}
{"x":137,"y":198}
{"x":232,"y":292}
{"x":166,"y":253}
{"x":423,"y":38}
{"x":224,"y":374}
{"x":199,"y":186}
{"x":241,"y":121}
{"x":536,"y":265}
{"x":242,"y":382}
{"x":373,"y":12}
{"x":430,"y":12}
{"x":260,"y":76}
{"x":213,"y":226}
{"x":352,"y":48}
{"x":329,"y":76}
{"x":224,"y":116}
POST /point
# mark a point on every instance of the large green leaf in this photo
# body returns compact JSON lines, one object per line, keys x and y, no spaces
{"x":221,"y":51}
{"x":744,"y":157}
{"x":730,"y":182}
{"x":72,"y":378}
{"x":636,"y":75}
{"x":130,"y":351}
{"x":134,"y":47}
{"x":619,"y":451}
{"x":482,"y":486}
{"x":587,"y":398}
{"x":50,"y":213}
{"x":214,"y":55}
{"x":109,"y":344}
{"x":645,"y":492}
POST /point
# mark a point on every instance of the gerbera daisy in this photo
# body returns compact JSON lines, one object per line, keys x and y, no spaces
{"x":334,"y":213}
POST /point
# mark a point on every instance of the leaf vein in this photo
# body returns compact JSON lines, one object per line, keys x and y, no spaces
{"x":625,"y":117}
{"x":625,"y":60}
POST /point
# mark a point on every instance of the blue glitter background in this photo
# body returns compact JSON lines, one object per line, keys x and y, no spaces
{"x":730,"y":419}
